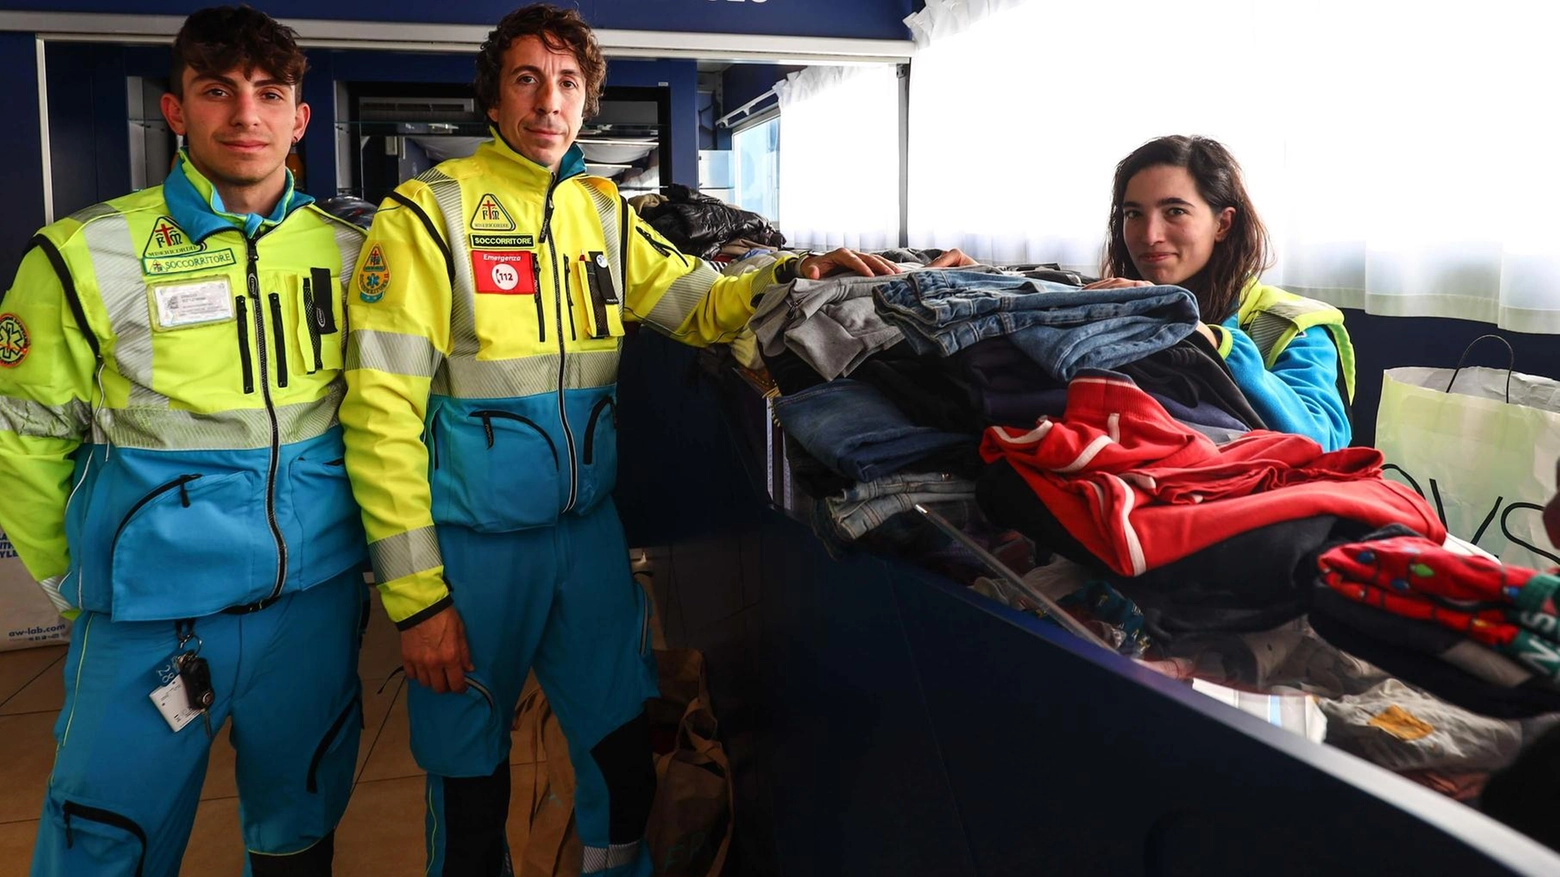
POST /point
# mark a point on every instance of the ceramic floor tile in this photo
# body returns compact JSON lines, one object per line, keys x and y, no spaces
{"x":216,"y":846}
{"x":382,"y":833}
{"x":24,"y":769}
{"x":16,"y":846}
{"x":381,"y":652}
{"x":391,"y":754}
{"x":19,"y":668}
{"x":46,"y":693}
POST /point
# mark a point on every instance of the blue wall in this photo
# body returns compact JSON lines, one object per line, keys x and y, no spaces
{"x":21,"y":156}
{"x":861,"y":19}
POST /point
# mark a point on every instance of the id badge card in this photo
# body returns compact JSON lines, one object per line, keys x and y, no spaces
{"x":173,"y":703}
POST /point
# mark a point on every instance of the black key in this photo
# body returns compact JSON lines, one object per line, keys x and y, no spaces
{"x":196,"y":674}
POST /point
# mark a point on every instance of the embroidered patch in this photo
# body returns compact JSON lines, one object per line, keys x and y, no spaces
{"x":14,"y":342}
{"x":374,"y":277}
{"x":491,"y":216}
{"x":502,"y":241}
{"x":167,"y":239}
{"x":169,"y":250}
{"x":499,"y":273}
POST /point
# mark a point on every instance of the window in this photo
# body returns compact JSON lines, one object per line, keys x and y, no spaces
{"x":756,"y":148}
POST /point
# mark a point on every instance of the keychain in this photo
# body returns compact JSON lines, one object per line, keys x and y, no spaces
{"x":187,"y":689}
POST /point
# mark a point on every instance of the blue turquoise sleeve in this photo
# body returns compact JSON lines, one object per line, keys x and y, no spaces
{"x":1299,"y":394}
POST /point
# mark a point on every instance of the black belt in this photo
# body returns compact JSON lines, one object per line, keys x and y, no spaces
{"x":251,"y":607}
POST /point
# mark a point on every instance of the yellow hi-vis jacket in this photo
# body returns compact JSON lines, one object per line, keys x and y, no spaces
{"x":482,"y":362}
{"x":169,"y":378}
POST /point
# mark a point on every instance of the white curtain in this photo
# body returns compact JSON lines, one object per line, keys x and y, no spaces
{"x":839,"y":157}
{"x":1400,"y":153}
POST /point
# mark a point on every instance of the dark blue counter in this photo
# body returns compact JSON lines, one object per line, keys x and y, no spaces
{"x":883,"y":720}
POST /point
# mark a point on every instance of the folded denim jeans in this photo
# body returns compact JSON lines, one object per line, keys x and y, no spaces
{"x":863,"y":508}
{"x":1061,"y":327}
{"x":852,"y":428}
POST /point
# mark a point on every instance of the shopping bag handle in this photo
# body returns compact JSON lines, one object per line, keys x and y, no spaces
{"x":1511,"y":362}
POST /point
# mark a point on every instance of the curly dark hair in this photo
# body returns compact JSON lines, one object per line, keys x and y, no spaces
{"x":562,"y":30}
{"x":219,"y":38}
{"x":1241,"y":256}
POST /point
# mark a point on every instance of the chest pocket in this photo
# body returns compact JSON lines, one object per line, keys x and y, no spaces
{"x":319,"y":334}
{"x":597,"y":297}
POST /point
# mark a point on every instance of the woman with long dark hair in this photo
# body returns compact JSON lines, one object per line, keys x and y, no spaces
{"x":1180,"y":216}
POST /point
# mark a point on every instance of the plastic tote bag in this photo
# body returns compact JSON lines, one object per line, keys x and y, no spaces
{"x":1480,"y":444}
{"x":27,"y":618}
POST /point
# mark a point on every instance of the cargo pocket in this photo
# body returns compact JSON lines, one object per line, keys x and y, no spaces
{"x":329,"y":780}
{"x":330,"y":525}
{"x":597,"y":300}
{"x":99,"y":835}
{"x":598,"y":456}
{"x":494,"y":471}
{"x":192,"y":546}
{"x":458,"y":733}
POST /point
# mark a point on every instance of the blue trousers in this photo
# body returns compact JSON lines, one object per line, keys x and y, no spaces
{"x":125,"y":786}
{"x":561,"y":600}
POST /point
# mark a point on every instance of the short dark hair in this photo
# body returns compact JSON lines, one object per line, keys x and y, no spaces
{"x":1240,"y":257}
{"x":217,"y":39}
{"x":562,"y":30}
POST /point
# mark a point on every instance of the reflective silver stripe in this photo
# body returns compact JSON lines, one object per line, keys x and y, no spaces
{"x":602,"y":858}
{"x":526,"y":376}
{"x":87,"y":214}
{"x":123,"y":293}
{"x":392,"y":352}
{"x":405,"y":554}
{"x":681,"y":299}
{"x":25,"y":417}
{"x":1266,"y":329}
{"x":463,"y":298}
{"x":51,"y":589}
{"x":349,"y":240}
{"x":235,"y":429}
{"x":606,"y":208}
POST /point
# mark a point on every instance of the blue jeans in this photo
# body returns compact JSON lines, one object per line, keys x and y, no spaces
{"x":863,"y":508}
{"x":852,"y":428}
{"x":1061,"y":327}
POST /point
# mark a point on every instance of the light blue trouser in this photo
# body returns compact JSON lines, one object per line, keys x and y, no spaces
{"x":561,"y":600}
{"x":125,"y":786}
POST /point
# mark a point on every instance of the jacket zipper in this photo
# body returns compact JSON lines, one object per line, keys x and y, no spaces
{"x":590,"y":428}
{"x":314,"y":327}
{"x":661,"y":248}
{"x":243,"y":345}
{"x":487,"y":416}
{"x":280,"y":339}
{"x":106,"y":817}
{"x":270,"y":410}
{"x":563,"y":414}
{"x":312,"y":783}
{"x":184,"y":498}
{"x":536,"y":284}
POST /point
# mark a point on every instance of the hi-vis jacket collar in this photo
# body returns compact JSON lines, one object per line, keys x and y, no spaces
{"x":198,"y":209}
{"x":572,"y":165}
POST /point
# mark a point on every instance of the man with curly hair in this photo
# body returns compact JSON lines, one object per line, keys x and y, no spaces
{"x":482,"y":444}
